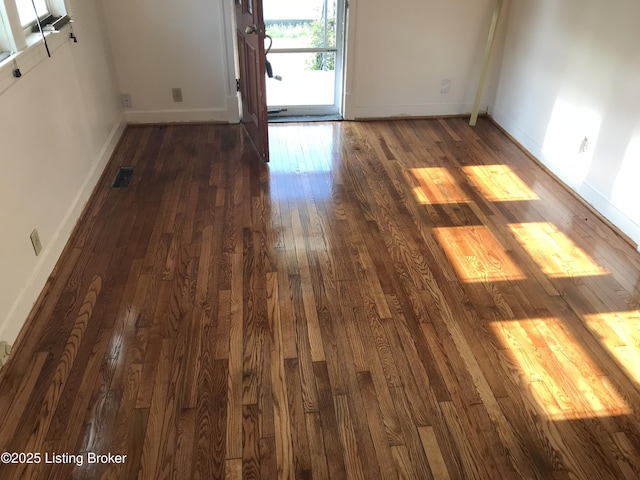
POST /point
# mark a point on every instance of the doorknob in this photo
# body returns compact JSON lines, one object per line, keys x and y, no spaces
{"x":251,"y":29}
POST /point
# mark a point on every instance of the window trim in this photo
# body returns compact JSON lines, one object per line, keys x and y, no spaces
{"x":27,"y":28}
{"x":17,"y":37}
{"x":22,"y":44}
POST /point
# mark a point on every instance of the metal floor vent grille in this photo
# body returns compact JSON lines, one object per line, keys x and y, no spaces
{"x":123,"y":177}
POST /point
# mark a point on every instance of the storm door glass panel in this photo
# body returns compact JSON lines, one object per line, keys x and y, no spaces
{"x":305,"y":56}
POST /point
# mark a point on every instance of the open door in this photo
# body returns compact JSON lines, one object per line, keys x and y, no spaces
{"x":251,"y":59}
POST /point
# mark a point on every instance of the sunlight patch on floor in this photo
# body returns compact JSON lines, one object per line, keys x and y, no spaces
{"x":436,"y":186}
{"x":554,"y":252}
{"x":499,"y":183}
{"x":477,"y":255}
{"x":619,"y":333}
{"x":563,"y":381}
{"x":304,"y":148}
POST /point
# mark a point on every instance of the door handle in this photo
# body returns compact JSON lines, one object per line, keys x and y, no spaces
{"x":250,"y":29}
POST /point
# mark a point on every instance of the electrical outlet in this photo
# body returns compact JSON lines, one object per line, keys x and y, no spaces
{"x":584,"y":145}
{"x":35,"y":241}
{"x":446,"y":85}
{"x":5,"y":351}
{"x":125,"y":98}
{"x":177,"y":94}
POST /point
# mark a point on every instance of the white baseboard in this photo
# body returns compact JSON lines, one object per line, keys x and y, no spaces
{"x":25,"y":300}
{"x":610,"y":211}
{"x":233,"y":109}
{"x":427,"y":110}
{"x":585,"y":190}
{"x":178,"y":116}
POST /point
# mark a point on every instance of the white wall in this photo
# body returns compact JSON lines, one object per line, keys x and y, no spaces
{"x":399,"y":53}
{"x":159,"y":45}
{"x":58,"y":126}
{"x":571,"y":70}
{"x":398,"y":56}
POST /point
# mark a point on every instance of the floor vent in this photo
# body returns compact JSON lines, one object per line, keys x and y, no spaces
{"x":123,"y":177}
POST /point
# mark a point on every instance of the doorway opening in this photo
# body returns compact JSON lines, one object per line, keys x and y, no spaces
{"x":305,"y":54}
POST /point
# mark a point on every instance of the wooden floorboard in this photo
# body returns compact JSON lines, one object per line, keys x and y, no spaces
{"x":384,"y":300}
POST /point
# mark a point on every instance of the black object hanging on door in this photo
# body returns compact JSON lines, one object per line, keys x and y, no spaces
{"x":268,"y":65}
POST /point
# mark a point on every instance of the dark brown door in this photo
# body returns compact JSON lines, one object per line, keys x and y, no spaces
{"x":251,"y":57}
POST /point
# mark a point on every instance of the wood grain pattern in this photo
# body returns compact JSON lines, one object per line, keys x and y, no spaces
{"x":383,"y":300}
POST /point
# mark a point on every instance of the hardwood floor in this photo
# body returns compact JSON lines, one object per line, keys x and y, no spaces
{"x":385,"y":300}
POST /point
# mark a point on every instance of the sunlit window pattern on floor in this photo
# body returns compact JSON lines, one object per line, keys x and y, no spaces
{"x":436,"y":186}
{"x":555,"y":253}
{"x":619,"y":332}
{"x":476,"y":255}
{"x":563,"y":381}
{"x":499,"y":183}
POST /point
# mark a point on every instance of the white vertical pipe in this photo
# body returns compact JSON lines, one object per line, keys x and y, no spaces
{"x":485,"y":64}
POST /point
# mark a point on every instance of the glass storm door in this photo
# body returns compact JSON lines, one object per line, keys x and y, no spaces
{"x":305,"y":57}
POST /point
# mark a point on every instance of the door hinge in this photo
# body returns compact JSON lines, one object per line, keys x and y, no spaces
{"x":237,"y":84}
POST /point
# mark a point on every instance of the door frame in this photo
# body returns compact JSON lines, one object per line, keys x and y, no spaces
{"x":349,"y":102}
{"x":339,"y":76}
{"x":345,"y":86}
{"x":348,"y":94}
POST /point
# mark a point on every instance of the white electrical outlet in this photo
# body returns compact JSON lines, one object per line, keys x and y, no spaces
{"x":584,"y":145}
{"x":5,"y":351}
{"x":177,"y":94}
{"x":35,"y":241}
{"x":446,"y":85}
{"x":125,"y":98}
